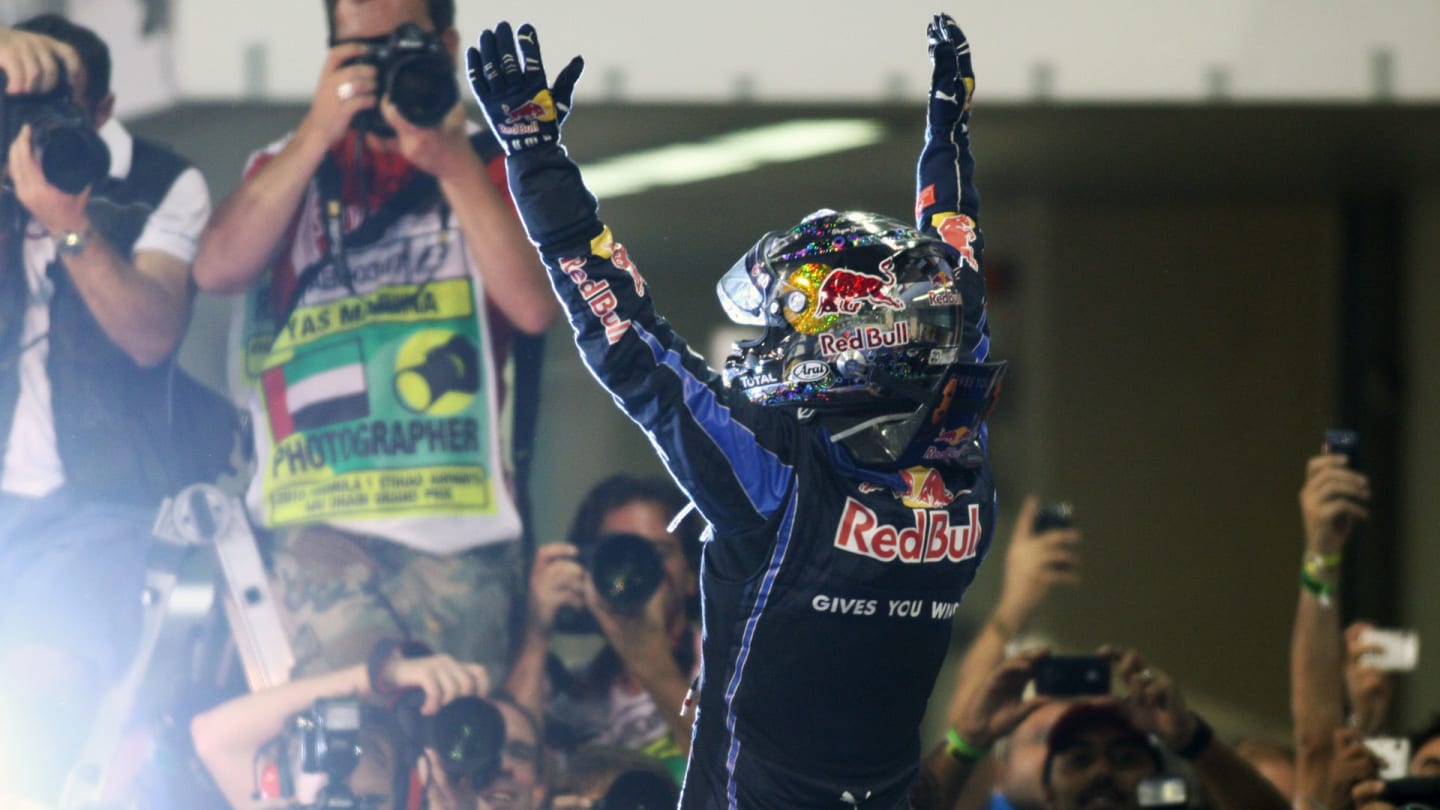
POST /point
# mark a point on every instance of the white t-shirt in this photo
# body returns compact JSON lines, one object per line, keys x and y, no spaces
{"x":32,"y":459}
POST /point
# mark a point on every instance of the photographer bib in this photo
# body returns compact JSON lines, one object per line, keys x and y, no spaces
{"x":375,"y":396}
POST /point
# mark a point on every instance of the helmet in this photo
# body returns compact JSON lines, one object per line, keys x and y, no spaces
{"x":865,"y":324}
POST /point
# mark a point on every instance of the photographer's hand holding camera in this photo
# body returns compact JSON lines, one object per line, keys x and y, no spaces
{"x":100,"y":228}
{"x":233,"y":737}
{"x":632,"y":693}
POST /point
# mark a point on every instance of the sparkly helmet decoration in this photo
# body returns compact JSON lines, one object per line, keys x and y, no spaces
{"x":866,"y":326}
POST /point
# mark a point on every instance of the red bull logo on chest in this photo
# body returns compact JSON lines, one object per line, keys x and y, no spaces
{"x":930,"y":538}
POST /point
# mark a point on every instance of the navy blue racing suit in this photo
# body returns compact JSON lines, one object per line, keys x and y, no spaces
{"x":827,"y":589}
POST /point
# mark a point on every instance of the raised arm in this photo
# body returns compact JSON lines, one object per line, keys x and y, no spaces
{"x":249,"y":223}
{"x":664,"y":387}
{"x":1331,"y":502}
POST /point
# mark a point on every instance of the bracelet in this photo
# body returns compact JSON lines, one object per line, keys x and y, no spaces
{"x":1320,"y":589}
{"x":1317,"y":565}
{"x":1199,"y":740}
{"x":958,"y":749}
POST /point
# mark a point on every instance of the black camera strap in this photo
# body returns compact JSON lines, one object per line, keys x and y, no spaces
{"x":329,"y":182}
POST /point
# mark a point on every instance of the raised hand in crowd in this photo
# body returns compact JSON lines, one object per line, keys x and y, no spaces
{"x":1368,"y":688}
{"x":1333,"y":499}
{"x":1352,"y":764}
{"x":1035,"y":563}
{"x":996,"y":706}
{"x":1155,"y":705}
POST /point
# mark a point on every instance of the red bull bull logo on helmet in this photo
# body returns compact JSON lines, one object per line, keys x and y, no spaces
{"x":929,"y":539}
{"x":845,"y":291}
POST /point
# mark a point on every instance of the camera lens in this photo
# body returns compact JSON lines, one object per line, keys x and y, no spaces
{"x":469,"y":734}
{"x":626,"y":570}
{"x":70,"y":153}
{"x":423,"y":89}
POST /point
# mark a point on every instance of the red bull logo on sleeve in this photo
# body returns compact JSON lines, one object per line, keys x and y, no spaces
{"x":929,"y":539}
{"x":958,"y":231}
{"x":598,"y":296}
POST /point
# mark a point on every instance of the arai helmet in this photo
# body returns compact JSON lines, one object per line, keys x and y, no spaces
{"x":865,"y":324}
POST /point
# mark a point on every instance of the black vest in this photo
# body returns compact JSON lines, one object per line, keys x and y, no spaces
{"x":124,"y":433}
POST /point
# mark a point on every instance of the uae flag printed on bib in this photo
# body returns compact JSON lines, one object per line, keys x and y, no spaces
{"x":316,"y":388}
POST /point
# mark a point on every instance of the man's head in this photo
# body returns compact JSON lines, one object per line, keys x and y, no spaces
{"x":1021,"y":758}
{"x":1095,"y":757}
{"x":518,"y":785}
{"x":365,"y":19}
{"x":1425,"y":761}
{"x":644,"y":506}
{"x":874,"y":326}
{"x":92,"y":87}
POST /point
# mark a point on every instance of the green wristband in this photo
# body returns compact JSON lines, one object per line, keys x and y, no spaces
{"x":1320,"y":589}
{"x":956,"y":747}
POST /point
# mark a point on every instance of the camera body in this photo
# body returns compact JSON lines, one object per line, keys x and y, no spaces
{"x":1399,"y":649}
{"x":1162,"y":792}
{"x":328,"y":741}
{"x":1057,"y":515}
{"x":1072,"y":675}
{"x":1343,"y":442}
{"x":64,"y":140}
{"x":415,"y":72}
{"x":626,"y":570}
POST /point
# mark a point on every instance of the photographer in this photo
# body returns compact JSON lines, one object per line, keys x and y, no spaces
{"x":242,"y":742}
{"x":1424,"y":762}
{"x":1098,"y":749}
{"x":97,"y":233}
{"x":386,"y":274}
{"x":630,"y":695}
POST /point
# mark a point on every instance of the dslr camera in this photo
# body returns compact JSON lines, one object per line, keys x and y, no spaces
{"x":66,"y":145}
{"x":415,"y":73}
{"x":468,"y":733}
{"x":626,"y":570}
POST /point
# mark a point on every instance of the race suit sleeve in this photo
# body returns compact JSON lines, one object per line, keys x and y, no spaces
{"x":733,"y":459}
{"x":947,"y":203}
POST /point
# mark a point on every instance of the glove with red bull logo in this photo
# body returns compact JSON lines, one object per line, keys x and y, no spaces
{"x":508,"y":79}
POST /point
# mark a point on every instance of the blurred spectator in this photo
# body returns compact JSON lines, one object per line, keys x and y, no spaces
{"x":98,"y":423}
{"x":1424,"y":762}
{"x":1098,"y":750}
{"x":387,"y":277}
{"x":1274,"y":760}
{"x":1332,"y":500}
{"x":630,"y":695}
{"x":239,"y":741}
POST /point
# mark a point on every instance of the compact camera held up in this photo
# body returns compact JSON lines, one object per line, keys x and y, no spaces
{"x":66,"y":145}
{"x":415,"y":73}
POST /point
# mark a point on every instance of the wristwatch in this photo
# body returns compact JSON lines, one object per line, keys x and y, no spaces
{"x":72,"y":243}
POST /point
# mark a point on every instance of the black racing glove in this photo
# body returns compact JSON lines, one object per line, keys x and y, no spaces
{"x":524,"y":113}
{"x":952,"y":83}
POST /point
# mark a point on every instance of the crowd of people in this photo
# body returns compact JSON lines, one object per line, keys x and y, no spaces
{"x":771,"y":619}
